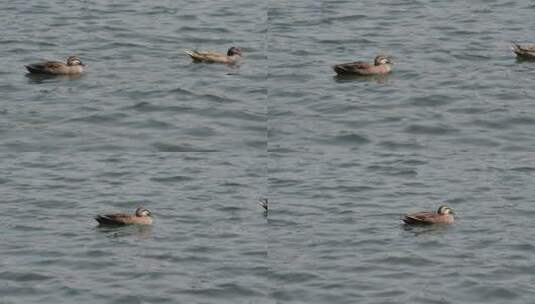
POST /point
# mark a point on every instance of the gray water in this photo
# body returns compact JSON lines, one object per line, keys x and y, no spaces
{"x":340,"y":159}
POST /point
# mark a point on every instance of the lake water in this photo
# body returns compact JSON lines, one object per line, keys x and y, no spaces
{"x":339,"y":158}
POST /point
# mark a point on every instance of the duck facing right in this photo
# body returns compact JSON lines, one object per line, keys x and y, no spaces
{"x":381,"y":65}
{"x":444,"y":215}
{"x":142,"y":216}
{"x":73,"y":66}
{"x":233,"y":55}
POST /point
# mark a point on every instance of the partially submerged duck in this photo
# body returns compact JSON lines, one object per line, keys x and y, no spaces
{"x":233,"y":55}
{"x":142,"y":216}
{"x":73,"y":66}
{"x":382,"y":65}
{"x":524,"y":51}
{"x":264,"y":203}
{"x":444,"y":215}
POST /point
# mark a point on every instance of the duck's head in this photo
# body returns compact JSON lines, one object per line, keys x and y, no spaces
{"x":140,"y":211}
{"x":443,"y":210}
{"x":382,"y":59}
{"x":234,"y":51}
{"x":74,"y":60}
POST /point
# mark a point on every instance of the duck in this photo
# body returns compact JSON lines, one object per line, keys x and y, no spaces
{"x":444,"y":215}
{"x":264,"y":203}
{"x":73,"y":66}
{"x":233,"y":55}
{"x":382,"y":65}
{"x":524,"y":51}
{"x":142,"y":216}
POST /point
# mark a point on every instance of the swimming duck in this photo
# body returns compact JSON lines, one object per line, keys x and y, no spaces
{"x":73,"y":66}
{"x":264,"y":203}
{"x":444,"y":215}
{"x":233,"y":55}
{"x":524,"y":51}
{"x":382,"y":65}
{"x":142,"y":216}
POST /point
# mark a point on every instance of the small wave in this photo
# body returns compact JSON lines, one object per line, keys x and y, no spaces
{"x":433,"y":130}
{"x":176,"y":178}
{"x":168,"y":147}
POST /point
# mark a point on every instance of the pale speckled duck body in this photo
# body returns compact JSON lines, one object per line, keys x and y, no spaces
{"x":142,"y":216}
{"x":524,"y":51}
{"x":233,"y":55}
{"x":74,"y":66}
{"x":444,"y":215}
{"x":382,"y":65}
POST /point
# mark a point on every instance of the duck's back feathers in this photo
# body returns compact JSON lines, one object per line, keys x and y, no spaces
{"x":45,"y":67}
{"x":206,"y":56}
{"x":212,"y":57}
{"x":427,"y":218}
{"x":351,"y":67}
{"x":420,"y":218}
{"x":195,"y":55}
{"x":113,"y":219}
{"x":524,"y":51}
{"x":361,"y":68}
{"x":104,"y":220}
{"x":119,"y":219}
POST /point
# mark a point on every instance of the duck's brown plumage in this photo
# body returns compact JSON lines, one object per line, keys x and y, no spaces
{"x":73,"y":66}
{"x":382,"y":65}
{"x":444,"y":215}
{"x":233,"y":56}
{"x":142,"y":216}
{"x":524,"y":51}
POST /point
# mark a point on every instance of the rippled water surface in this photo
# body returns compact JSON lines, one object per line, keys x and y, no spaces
{"x":339,"y":158}
{"x":140,"y":92}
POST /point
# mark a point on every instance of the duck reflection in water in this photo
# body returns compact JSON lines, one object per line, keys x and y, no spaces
{"x":380,"y":79}
{"x":139,"y":231}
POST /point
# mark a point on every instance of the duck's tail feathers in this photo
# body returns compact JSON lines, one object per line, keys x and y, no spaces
{"x":409,"y":220}
{"x":264,"y":203}
{"x":33,"y":68}
{"x":190,"y":53}
{"x":105,"y":220}
{"x":339,"y":69}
